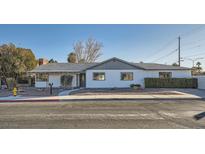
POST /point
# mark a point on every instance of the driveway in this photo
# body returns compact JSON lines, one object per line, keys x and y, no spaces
{"x":196,"y":92}
{"x":103,"y":114}
{"x":150,"y":93}
{"x":123,"y":91}
{"x":164,"y":92}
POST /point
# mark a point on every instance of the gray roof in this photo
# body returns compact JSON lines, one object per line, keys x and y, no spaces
{"x":154,"y":66}
{"x":71,"y":67}
{"x":62,"y":67}
{"x":113,"y":63}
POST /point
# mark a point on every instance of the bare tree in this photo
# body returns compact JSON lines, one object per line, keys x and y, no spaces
{"x":87,"y":52}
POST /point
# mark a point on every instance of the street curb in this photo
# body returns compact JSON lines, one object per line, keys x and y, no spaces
{"x":38,"y":100}
{"x":99,"y":99}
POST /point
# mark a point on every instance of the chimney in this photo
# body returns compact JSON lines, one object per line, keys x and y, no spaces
{"x":42,"y":61}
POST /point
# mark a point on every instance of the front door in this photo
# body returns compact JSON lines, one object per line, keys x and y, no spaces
{"x":82,"y":80}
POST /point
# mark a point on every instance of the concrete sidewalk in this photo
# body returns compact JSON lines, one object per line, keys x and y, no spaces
{"x":100,"y":97}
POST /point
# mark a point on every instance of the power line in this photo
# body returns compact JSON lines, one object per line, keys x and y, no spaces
{"x":198,"y":29}
{"x":166,"y":55}
{"x":203,"y":53}
{"x":163,"y":47}
{"x":193,"y":47}
{"x":193,"y":60}
{"x":192,"y":42}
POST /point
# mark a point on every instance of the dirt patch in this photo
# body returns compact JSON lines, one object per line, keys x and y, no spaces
{"x":84,"y":92}
{"x":31,"y":91}
{"x":5,"y":93}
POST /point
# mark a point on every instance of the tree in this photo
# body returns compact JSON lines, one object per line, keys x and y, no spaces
{"x":198,"y":64}
{"x":15,"y":61}
{"x":28,"y":59}
{"x":52,"y":61}
{"x":175,"y":64}
{"x":88,"y":51}
{"x":72,"y":58}
{"x":194,"y":70}
{"x":7,"y":60}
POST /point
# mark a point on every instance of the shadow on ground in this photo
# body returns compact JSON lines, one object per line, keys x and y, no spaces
{"x":199,"y":116}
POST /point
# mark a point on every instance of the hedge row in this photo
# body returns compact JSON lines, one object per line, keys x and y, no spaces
{"x":171,"y":83}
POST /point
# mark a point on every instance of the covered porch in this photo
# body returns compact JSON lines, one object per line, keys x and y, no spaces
{"x":59,"y":79}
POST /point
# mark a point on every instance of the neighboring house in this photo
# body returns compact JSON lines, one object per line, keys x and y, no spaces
{"x":201,"y":81}
{"x":111,"y":73}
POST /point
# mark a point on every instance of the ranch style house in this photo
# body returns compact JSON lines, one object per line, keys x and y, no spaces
{"x":111,"y":73}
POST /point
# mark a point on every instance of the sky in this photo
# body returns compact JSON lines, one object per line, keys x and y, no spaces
{"x":134,"y":43}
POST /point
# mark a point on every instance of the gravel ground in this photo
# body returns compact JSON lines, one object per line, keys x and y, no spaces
{"x":31,"y":91}
{"x":5,"y":93}
{"x":106,"y":114}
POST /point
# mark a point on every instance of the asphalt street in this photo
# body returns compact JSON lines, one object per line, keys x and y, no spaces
{"x":149,"y":114}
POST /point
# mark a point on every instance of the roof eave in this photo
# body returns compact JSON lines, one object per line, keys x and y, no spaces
{"x":115,"y":59}
{"x":188,"y":69}
{"x":56,"y":71}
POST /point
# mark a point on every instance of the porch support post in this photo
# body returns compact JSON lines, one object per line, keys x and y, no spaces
{"x":77,"y":80}
{"x":74,"y":82}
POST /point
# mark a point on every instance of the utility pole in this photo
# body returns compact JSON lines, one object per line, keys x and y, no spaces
{"x":179,"y":51}
{"x":193,"y":60}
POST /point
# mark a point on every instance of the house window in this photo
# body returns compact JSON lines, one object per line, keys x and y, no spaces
{"x":41,"y":77}
{"x":165,"y":75}
{"x":126,"y":76}
{"x":100,"y":76}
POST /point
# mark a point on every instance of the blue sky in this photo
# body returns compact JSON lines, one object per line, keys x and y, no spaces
{"x":130,"y":42}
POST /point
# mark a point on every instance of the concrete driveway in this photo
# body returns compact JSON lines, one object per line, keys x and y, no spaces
{"x":148,"y":93}
{"x":196,"y":92}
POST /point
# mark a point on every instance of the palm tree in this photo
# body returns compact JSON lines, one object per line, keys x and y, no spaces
{"x":198,"y":64}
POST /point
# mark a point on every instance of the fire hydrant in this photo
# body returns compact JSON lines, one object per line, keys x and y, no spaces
{"x":15,"y":91}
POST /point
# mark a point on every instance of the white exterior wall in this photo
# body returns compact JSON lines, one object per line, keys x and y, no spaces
{"x":201,"y":82}
{"x":41,"y":84}
{"x":175,"y":74}
{"x":55,"y":79}
{"x":112,"y":77}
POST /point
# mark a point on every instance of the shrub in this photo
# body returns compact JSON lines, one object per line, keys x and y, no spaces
{"x":171,"y":83}
{"x":11,"y":83}
{"x":23,"y":80}
{"x":135,"y":86}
